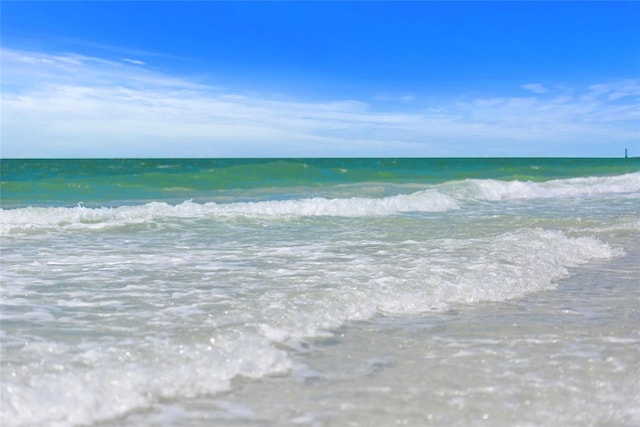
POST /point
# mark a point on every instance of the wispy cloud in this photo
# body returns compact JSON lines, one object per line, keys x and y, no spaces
{"x":74,"y":105}
{"x":613,"y":91}
{"x":535,"y":88}
{"x":133,"y":61}
{"x":408,"y":97}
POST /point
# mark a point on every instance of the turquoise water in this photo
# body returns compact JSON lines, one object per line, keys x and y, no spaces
{"x":125,"y":181}
{"x":320,"y":292}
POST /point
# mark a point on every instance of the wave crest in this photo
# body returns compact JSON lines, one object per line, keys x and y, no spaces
{"x":494,"y":190}
{"x":441,"y":198}
{"x":95,"y":218}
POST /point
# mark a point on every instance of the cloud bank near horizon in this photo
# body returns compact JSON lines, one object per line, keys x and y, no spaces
{"x":70,"y":105}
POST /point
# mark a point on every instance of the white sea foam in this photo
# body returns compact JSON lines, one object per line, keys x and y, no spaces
{"x":98,"y":325}
{"x":421,"y":201}
{"x":322,"y":288}
{"x":99,"y":383}
{"x":497,"y":269}
{"x":493,"y":190}
{"x":31,"y":218}
{"x":442,"y":198}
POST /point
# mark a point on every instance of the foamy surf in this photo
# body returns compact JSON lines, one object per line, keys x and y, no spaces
{"x":441,"y":198}
{"x":240,"y":334}
{"x":33,"y":218}
{"x":494,"y":190}
{"x":372,"y":301}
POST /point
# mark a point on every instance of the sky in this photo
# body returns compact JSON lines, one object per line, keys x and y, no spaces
{"x":319,"y":79}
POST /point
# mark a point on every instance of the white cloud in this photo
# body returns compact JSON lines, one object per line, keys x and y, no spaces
{"x":408,"y":97}
{"x":613,"y":90}
{"x":133,"y":61}
{"x":535,"y":88}
{"x":73,"y":105}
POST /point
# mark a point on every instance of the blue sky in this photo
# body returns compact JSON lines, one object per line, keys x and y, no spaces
{"x":295,"y":79}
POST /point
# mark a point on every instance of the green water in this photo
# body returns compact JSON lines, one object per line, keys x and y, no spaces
{"x":64,"y":182}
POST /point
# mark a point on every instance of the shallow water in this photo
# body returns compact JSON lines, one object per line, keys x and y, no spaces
{"x":450,"y":302}
{"x":569,"y":356}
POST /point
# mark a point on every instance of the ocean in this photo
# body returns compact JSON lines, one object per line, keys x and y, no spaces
{"x":320,"y":292}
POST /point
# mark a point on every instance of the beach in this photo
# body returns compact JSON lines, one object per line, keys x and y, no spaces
{"x":320,"y":292}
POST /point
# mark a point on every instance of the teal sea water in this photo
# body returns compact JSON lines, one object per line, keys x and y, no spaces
{"x":128,"y":181}
{"x":320,"y":292}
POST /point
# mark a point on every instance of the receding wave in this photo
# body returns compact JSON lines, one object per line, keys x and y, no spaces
{"x":314,"y":300}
